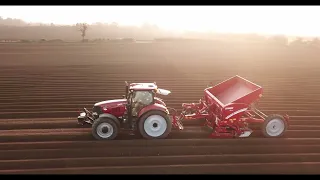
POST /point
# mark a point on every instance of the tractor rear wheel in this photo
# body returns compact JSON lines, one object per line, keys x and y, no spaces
{"x":104,"y":129}
{"x":274,"y":126}
{"x":155,"y":125}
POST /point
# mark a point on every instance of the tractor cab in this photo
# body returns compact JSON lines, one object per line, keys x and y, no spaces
{"x":142,"y":97}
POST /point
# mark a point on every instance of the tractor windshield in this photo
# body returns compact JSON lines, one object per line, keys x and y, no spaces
{"x":140,"y":99}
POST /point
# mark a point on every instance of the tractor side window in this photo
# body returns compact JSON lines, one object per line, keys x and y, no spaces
{"x":140,"y":99}
{"x":143,"y":97}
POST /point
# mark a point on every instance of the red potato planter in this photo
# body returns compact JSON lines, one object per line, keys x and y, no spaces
{"x":228,"y":109}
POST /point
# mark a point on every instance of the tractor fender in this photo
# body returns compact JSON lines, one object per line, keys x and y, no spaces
{"x":115,"y":119}
{"x":158,"y":107}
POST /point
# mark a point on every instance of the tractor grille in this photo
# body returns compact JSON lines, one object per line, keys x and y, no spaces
{"x":97,"y":109}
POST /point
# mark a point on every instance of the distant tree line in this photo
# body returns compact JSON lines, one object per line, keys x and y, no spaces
{"x":17,"y":30}
{"x":12,"y":22}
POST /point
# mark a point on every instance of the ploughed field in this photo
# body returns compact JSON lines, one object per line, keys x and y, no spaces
{"x":44,"y":86}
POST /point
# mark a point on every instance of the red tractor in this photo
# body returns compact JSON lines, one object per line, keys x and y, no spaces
{"x":140,"y":110}
{"x":228,"y":108}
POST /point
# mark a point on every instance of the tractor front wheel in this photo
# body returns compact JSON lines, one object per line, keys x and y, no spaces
{"x":274,"y":126}
{"x":155,"y":125}
{"x":104,"y":129}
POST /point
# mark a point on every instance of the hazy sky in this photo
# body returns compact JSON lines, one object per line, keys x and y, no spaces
{"x":290,"y":20}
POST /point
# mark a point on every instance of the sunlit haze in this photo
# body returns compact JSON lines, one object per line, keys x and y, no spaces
{"x":289,"y":20}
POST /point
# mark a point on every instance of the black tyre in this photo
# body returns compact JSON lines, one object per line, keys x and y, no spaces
{"x":274,"y":126}
{"x":104,"y":129}
{"x":155,"y":125}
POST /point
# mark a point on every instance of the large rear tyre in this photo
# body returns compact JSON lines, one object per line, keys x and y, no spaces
{"x":155,"y":125}
{"x":104,"y":129}
{"x":274,"y":126}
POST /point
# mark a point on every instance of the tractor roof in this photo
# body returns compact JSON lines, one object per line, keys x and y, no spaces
{"x":143,"y":86}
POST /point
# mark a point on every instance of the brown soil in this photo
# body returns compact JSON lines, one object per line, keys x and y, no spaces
{"x":43,"y":87}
